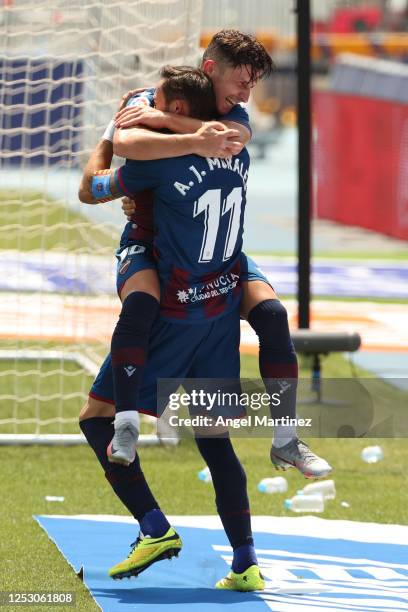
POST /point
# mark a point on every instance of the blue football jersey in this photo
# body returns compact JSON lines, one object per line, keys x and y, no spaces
{"x":145,"y":97}
{"x":199,"y":206}
{"x":238,"y":114}
{"x":142,"y":228}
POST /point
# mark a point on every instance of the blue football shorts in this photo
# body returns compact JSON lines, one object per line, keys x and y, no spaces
{"x":208,"y":350}
{"x":132,"y":258}
{"x":251,"y":272}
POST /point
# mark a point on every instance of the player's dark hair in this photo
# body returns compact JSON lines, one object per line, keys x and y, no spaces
{"x":234,"y":48}
{"x":191,"y":85}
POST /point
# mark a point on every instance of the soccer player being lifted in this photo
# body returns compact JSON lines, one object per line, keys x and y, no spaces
{"x":199,"y":206}
{"x":234,"y":61}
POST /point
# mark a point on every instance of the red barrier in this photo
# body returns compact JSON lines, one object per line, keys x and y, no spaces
{"x":361,"y":162}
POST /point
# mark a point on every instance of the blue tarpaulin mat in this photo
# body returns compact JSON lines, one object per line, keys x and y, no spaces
{"x":309,"y":564}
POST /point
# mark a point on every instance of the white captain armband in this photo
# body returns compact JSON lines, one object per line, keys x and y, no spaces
{"x":101,"y":185}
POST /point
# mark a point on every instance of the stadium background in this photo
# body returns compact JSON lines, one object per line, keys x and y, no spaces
{"x":63,"y":70}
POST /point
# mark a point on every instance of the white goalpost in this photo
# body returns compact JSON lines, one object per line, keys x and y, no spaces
{"x":63,"y":69}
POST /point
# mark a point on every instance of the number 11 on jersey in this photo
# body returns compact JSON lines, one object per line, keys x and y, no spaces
{"x":210,"y":204}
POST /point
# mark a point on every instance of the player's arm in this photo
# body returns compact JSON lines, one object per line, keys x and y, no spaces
{"x":101,"y":184}
{"x":212,"y":139}
{"x":130,"y":143}
{"x":238,"y":119}
{"x":91,"y":190}
{"x":142,"y":144}
{"x":179,"y":124}
{"x":186,"y":125}
{"x":98,"y":180}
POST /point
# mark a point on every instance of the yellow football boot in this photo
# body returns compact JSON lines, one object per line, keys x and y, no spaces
{"x":250,"y":580}
{"x":145,"y":552}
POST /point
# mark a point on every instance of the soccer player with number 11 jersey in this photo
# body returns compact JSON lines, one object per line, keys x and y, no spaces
{"x":198,"y":214}
{"x":198,"y":251}
{"x":234,"y":61}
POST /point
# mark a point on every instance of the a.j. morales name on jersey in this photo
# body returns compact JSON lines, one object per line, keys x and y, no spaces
{"x":214,"y":163}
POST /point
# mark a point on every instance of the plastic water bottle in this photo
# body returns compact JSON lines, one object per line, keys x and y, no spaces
{"x":273,"y":485}
{"x":205,"y":474}
{"x":372,"y":454}
{"x":305,"y":503}
{"x":326,"y":488}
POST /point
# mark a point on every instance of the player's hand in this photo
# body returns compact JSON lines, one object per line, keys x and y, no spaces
{"x":140,"y":115}
{"x":130,"y":94}
{"x":213,"y":139}
{"x":128,"y":207}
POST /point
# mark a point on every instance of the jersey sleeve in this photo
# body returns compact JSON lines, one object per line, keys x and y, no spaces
{"x":144,"y":98}
{"x":136,"y":176}
{"x":238,"y":114}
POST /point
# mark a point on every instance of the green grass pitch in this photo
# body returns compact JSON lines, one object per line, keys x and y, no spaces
{"x":31,"y":221}
{"x":31,"y":562}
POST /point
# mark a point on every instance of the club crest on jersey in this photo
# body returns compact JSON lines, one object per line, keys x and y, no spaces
{"x":123,"y":268}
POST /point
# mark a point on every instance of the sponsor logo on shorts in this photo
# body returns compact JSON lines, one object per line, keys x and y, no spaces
{"x":130,"y":370}
{"x":136,"y":249}
{"x":123,"y":268}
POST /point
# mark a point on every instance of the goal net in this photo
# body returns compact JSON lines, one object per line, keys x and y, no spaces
{"x":63,"y":69}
